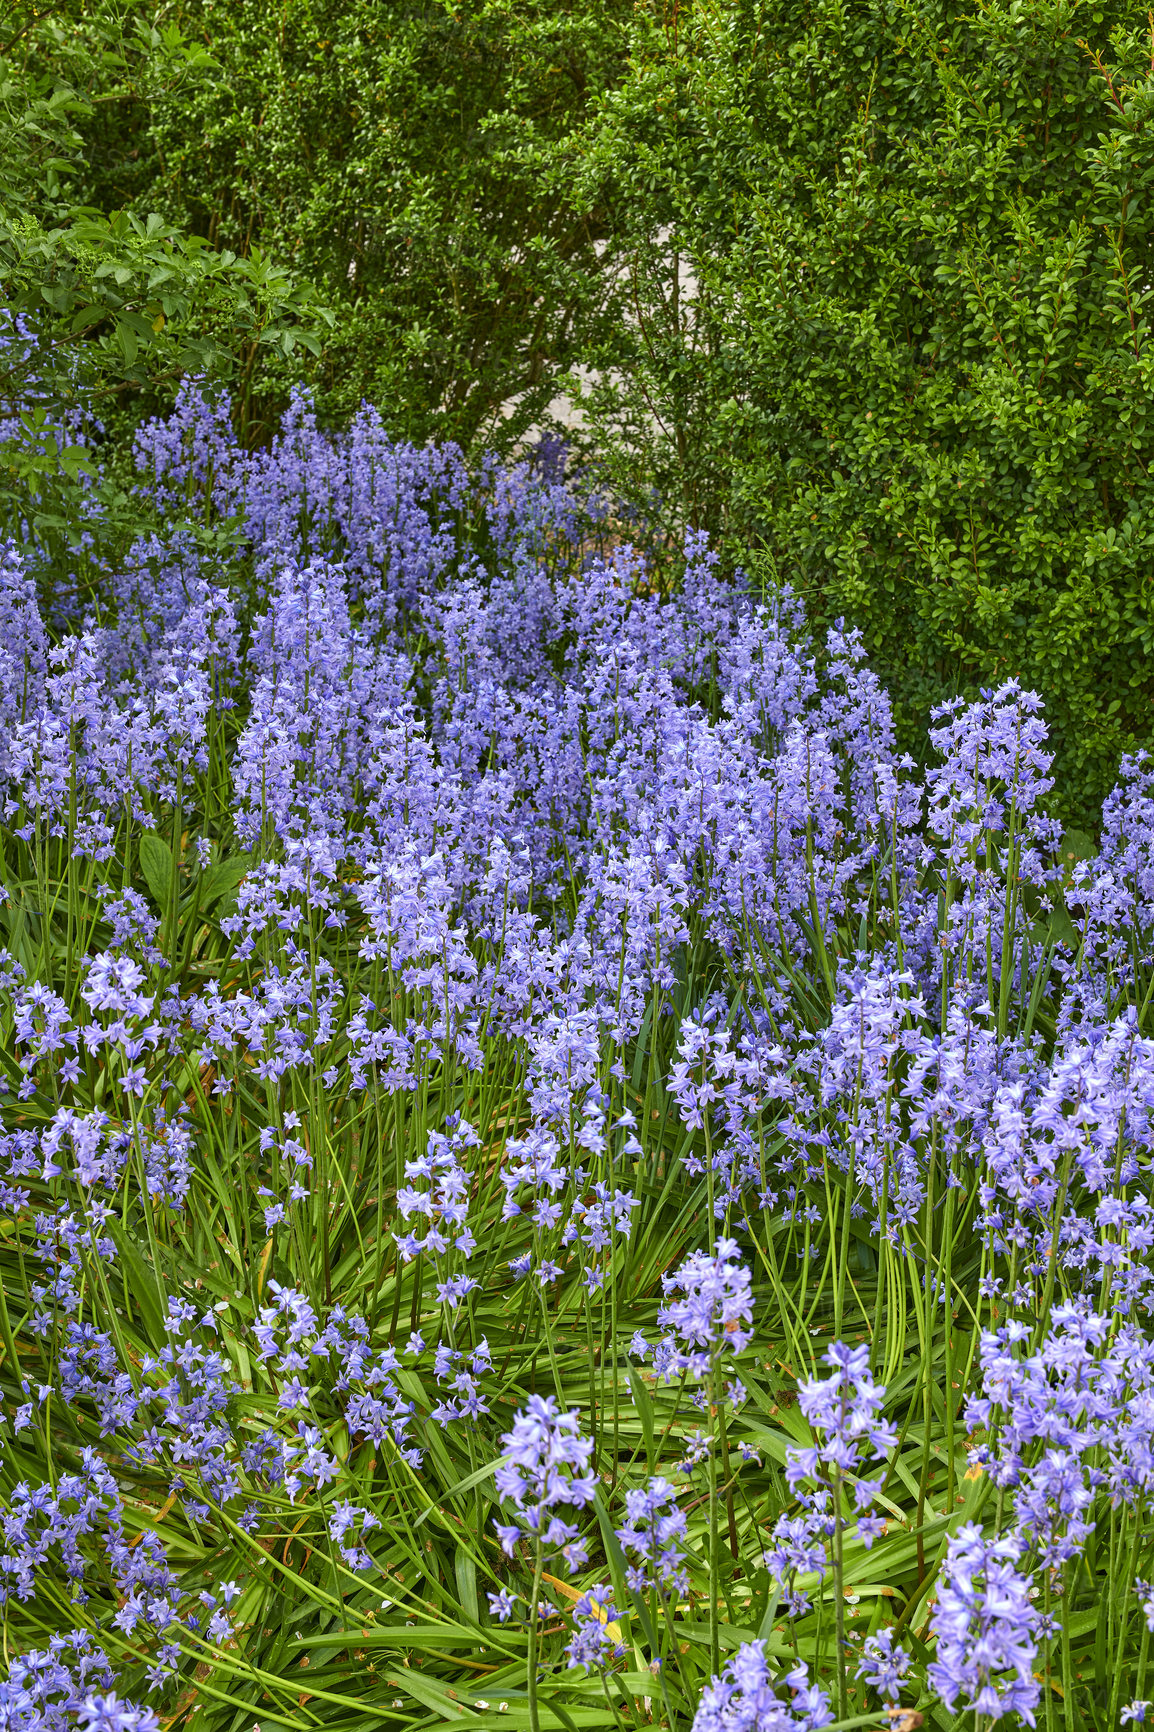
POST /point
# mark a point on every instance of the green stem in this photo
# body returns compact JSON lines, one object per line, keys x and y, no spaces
{"x":534,"y":1624}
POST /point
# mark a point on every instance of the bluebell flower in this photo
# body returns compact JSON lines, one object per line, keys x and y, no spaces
{"x":592,"y":1643}
{"x":986,"y":1628}
{"x":746,"y":1698}
{"x":544,"y":1466}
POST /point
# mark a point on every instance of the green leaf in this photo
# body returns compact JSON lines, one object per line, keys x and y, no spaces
{"x":222,"y":878}
{"x":1076,"y":845}
{"x":465,"y":1568}
{"x":156,"y":864}
{"x":644,"y":1405}
{"x":141,"y":1281}
{"x":459,"y":1485}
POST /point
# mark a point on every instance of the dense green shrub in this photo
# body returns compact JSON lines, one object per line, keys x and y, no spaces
{"x":101,"y":306}
{"x":915,"y":376}
{"x":408,"y":159}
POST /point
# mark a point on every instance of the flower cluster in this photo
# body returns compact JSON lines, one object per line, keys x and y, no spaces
{"x":844,"y":1411}
{"x":545,"y":1467}
{"x":427,"y":922}
{"x":707,"y":1311}
{"x":746,"y":1698}
{"x":654,"y":1537}
{"x":986,"y":1629}
{"x":594,"y":1641}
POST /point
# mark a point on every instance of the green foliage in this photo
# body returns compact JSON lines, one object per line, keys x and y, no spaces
{"x":910,"y":370}
{"x":101,"y":302}
{"x":104,"y":305}
{"x":143,"y":299}
{"x":409,"y":160}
